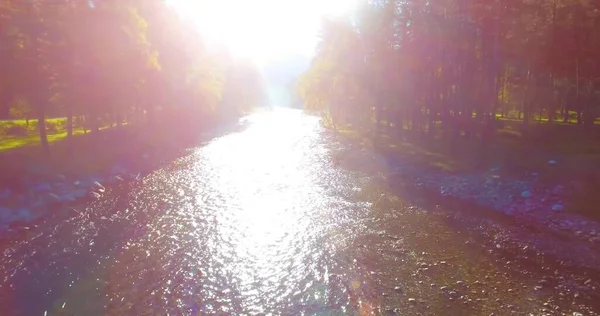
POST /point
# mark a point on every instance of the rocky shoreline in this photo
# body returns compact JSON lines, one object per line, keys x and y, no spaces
{"x":43,"y":198}
{"x":527,"y":199}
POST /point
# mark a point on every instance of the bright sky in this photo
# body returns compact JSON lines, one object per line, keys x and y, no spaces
{"x":262,"y":30}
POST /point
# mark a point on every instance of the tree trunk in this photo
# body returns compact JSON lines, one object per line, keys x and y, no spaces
{"x":42,"y":130}
{"x":69,"y":127}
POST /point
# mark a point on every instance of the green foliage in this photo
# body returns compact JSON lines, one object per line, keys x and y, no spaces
{"x":465,"y":85}
{"x":456,"y":63}
{"x":106,"y":63}
{"x":20,"y":109}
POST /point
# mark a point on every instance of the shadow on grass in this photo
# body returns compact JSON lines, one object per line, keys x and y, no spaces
{"x":8,"y":143}
{"x":575,"y":149}
{"x":139,"y":147}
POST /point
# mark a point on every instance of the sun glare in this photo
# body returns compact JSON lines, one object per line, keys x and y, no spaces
{"x":261,"y":30}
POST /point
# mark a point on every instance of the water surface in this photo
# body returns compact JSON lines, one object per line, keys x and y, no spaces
{"x":281,"y":218}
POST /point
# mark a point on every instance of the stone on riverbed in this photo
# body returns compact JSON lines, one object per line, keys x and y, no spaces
{"x":98,"y":187}
{"x":526,"y":194}
{"x":528,"y":197}
{"x":51,"y":198}
{"x":40,"y":196}
{"x":114,"y":180}
{"x":95,"y":195}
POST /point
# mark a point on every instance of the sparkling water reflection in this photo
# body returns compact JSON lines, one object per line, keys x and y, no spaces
{"x":281,"y":218}
{"x":250,"y":223}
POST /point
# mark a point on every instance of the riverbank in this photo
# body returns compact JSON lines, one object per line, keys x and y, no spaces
{"x":37,"y":186}
{"x":543,"y":191}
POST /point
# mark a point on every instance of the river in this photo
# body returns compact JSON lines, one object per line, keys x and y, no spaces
{"x":279,"y":218}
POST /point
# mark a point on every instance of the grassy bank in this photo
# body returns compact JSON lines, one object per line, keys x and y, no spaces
{"x":21,"y":154}
{"x":21,"y":157}
{"x":516,"y":154}
{"x":19,"y":133}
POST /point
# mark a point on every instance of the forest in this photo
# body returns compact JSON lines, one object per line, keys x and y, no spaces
{"x":519,"y":77}
{"x":73,"y":69}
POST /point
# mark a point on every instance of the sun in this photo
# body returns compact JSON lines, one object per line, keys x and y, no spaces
{"x":261,"y":29}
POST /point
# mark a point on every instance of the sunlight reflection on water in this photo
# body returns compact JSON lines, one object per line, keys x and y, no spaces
{"x":266,"y":213}
{"x":254,"y":222}
{"x":267,"y":173}
{"x":282,"y":218}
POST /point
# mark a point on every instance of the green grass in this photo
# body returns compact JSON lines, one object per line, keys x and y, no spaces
{"x":56,"y":129}
{"x":32,"y":123}
{"x":8,"y":142}
{"x":88,"y":154}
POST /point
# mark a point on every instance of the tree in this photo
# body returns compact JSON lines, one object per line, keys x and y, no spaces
{"x":446,"y":68}
{"x":109,"y":62}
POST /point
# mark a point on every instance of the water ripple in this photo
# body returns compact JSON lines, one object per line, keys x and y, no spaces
{"x":263,"y":221}
{"x":249,"y":223}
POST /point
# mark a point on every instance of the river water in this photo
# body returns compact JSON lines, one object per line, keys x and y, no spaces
{"x":279,"y":218}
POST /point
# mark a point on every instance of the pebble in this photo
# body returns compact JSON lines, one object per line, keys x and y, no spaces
{"x":412,"y":300}
{"x":95,"y":195}
{"x":41,"y":195}
{"x":53,"y":198}
{"x":99,"y":187}
{"x":512,"y":196}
